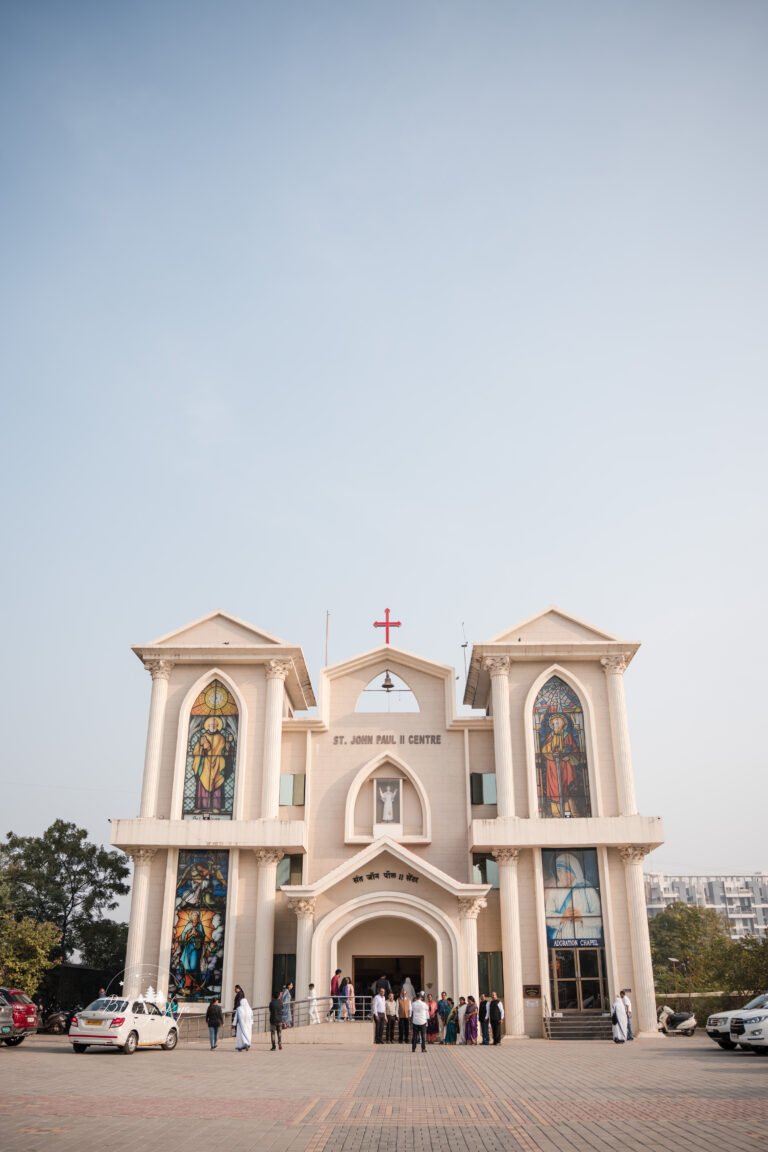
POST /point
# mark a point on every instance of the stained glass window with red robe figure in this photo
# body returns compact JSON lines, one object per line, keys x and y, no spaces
{"x":209,"y":780}
{"x":562,"y":778}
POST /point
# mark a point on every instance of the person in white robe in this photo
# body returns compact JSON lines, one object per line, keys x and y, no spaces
{"x":619,"y":1020}
{"x":409,"y":989}
{"x":243,"y":1026}
{"x":314,"y":1015}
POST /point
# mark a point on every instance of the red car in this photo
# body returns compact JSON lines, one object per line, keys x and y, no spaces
{"x":25,"y":1015}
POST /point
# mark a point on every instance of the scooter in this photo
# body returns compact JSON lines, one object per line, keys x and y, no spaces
{"x":676,"y":1023}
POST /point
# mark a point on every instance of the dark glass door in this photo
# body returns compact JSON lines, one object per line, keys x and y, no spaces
{"x":577,"y":979}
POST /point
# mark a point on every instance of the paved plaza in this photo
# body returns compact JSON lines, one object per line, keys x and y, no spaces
{"x":344,"y":1095}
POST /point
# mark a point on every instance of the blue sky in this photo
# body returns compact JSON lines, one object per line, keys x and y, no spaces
{"x":456,"y":308}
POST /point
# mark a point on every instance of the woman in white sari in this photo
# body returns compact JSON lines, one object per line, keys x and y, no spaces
{"x":460,"y":1038}
{"x":244,"y":1026}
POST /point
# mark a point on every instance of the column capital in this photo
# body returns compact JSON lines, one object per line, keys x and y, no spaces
{"x":506,"y":855}
{"x":268,"y":855}
{"x":302,"y":906}
{"x":614,"y":665}
{"x":634,"y":853}
{"x":141,"y":855}
{"x":278,"y":669}
{"x":497,"y":665}
{"x":159,"y":669}
{"x":470,"y":907}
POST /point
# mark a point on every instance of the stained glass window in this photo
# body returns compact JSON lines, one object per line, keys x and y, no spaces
{"x":209,"y":780}
{"x":562,"y":778}
{"x":197,"y":947}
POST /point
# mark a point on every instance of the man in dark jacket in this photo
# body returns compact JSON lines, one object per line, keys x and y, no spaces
{"x":483,"y":1017}
{"x":214,"y":1018}
{"x":276,"y":1021}
{"x":496,"y":1015}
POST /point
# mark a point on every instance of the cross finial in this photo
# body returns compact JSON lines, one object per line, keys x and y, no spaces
{"x":386,"y":623}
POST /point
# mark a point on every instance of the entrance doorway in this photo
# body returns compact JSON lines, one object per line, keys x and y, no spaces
{"x":577,"y":979}
{"x":366,"y":970}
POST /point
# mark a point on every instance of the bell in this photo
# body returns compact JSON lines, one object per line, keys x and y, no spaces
{"x":387,"y":684}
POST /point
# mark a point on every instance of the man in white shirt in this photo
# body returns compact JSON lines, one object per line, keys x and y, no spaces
{"x":628,"y":1009}
{"x":419,"y":1017}
{"x":379,"y":1017}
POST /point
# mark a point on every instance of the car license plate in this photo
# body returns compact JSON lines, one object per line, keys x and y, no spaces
{"x":5,"y":1029}
{"x":94,"y":1023}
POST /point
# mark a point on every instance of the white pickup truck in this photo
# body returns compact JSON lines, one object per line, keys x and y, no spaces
{"x":719,"y":1025}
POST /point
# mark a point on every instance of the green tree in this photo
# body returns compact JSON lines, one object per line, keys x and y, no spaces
{"x":688,"y":947}
{"x":102,"y":944}
{"x":60,"y":878}
{"x":25,"y":947}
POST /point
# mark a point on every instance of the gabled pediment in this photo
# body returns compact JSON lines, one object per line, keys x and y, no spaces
{"x":552,"y":626}
{"x":393,"y":658}
{"x":386,"y":851}
{"x":214,"y":630}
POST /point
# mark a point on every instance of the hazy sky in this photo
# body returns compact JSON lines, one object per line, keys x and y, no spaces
{"x":458,"y":308}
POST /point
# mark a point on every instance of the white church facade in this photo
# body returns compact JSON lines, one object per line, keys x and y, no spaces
{"x":382,"y":831}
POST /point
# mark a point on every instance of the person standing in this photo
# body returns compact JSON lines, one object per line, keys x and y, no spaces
{"x":276,"y":1021}
{"x":628,"y":1009}
{"x":238,"y":997}
{"x":314,"y":1015}
{"x":351,"y":1005}
{"x":451,"y":1023}
{"x":243,"y":1025}
{"x":390,"y":1011}
{"x":482,"y":1015}
{"x":433,"y":1023}
{"x":470,"y":1021}
{"x":286,"y":998}
{"x":619,"y":1020}
{"x":462,"y":1012}
{"x":442,"y":1013}
{"x":404,"y":1016}
{"x":379,"y":1017}
{"x":496,"y":1015}
{"x":419,"y":1018}
{"x":214,"y":1018}
{"x":335,"y":1005}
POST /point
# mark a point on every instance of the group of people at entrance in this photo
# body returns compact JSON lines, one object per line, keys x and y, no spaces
{"x":421,"y":1020}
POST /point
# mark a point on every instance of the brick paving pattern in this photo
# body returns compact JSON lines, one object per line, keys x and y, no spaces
{"x":657,"y":1095}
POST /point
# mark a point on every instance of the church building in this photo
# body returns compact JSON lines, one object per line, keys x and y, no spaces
{"x":376,"y":830}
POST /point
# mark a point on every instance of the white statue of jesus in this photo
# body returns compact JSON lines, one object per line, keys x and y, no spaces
{"x":388,"y":800}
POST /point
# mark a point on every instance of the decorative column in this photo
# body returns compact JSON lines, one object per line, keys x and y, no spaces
{"x":643,"y":995}
{"x":512,"y":953}
{"x":470,"y":908}
{"x":617,"y":710}
{"x":160,"y":671}
{"x":266,"y":878}
{"x":277,"y":670}
{"x":304,"y":908}
{"x":135,"y":967}
{"x":499,"y":667}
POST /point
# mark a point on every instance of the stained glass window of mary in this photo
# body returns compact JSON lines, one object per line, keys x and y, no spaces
{"x":562,"y":777}
{"x":209,"y":779}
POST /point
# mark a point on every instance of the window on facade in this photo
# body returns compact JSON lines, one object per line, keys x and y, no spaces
{"x":209,"y":778}
{"x":482,"y":787}
{"x":562,"y":778}
{"x":290,"y":870}
{"x":485,"y":870}
{"x":490,"y":973}
{"x":292,"y":790}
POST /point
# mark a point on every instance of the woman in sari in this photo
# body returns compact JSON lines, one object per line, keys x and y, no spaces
{"x":351,"y":1006}
{"x":451,"y":1023}
{"x":433,"y":1023}
{"x":460,"y":1039}
{"x":470,"y":1021}
{"x":243,"y":1025}
{"x":344,"y":988}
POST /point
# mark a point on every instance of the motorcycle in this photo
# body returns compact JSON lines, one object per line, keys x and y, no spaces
{"x":676,"y":1023}
{"x":57,"y":1021}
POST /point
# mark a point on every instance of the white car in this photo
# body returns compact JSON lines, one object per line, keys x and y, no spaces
{"x":112,"y":1022}
{"x":719,"y":1025}
{"x":750,"y":1029}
